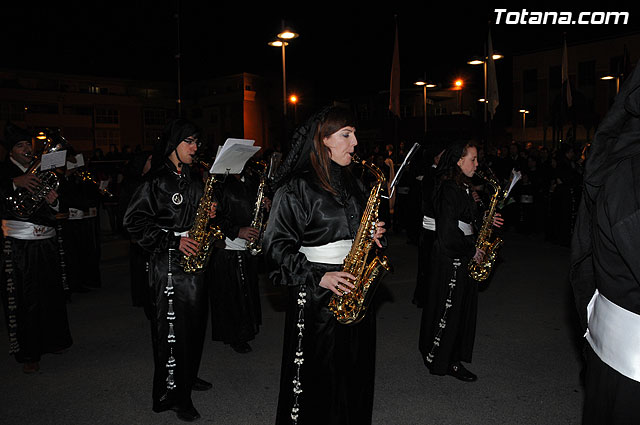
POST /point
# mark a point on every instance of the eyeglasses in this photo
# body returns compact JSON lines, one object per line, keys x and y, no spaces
{"x":192,"y":140}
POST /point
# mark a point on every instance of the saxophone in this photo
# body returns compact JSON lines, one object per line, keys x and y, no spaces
{"x":202,"y":231}
{"x":351,"y":307}
{"x":481,"y":271}
{"x":255,"y":246}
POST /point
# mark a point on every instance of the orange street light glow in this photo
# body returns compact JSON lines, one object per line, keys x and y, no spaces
{"x":293,"y":98}
{"x":287,"y":35}
{"x":277,"y":43}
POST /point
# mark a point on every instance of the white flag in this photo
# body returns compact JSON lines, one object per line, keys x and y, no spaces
{"x":492,"y":83}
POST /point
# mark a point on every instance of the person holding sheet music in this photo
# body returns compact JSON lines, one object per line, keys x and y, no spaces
{"x":31,"y":279}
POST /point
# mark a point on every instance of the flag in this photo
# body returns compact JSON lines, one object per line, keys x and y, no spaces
{"x":394,"y":92}
{"x":565,"y":75}
{"x":493,"y":99}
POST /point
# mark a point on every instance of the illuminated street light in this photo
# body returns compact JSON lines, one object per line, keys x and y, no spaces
{"x":458,"y":84}
{"x":294,"y":99}
{"x":483,"y":61}
{"x":425,"y":84}
{"x":284,"y":35}
{"x":611,"y":77}
{"x":524,"y":113}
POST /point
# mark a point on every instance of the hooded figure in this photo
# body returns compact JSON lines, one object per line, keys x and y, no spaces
{"x":158,"y":218}
{"x":605,"y":271}
{"x":327,"y":374}
{"x":31,"y":284}
{"x":448,"y":324}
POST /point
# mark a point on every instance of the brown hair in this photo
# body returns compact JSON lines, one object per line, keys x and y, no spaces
{"x":335,"y":119}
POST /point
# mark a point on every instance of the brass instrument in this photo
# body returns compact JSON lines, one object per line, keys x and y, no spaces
{"x":481,"y":271}
{"x":25,"y":203}
{"x":202,"y":231}
{"x":351,"y":307}
{"x":255,"y":246}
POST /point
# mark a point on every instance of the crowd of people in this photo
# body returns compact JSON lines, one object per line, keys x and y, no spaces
{"x":315,"y":202}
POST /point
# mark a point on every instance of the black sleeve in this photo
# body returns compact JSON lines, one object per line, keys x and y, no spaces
{"x":140,"y":222}
{"x":449,"y":209}
{"x":283,"y":238}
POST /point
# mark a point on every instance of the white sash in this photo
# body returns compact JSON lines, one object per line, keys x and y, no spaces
{"x":429,"y":223}
{"x":75,"y":214}
{"x":614,"y":335}
{"x":331,"y":253}
{"x":466,"y":228}
{"x":237,"y":244}
{"x":26,"y":231}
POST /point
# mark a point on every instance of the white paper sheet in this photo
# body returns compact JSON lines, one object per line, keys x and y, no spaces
{"x":232,"y":156}
{"x":53,"y":160}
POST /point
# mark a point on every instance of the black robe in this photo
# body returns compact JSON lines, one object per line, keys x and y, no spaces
{"x":425,"y":239}
{"x":235,"y":298}
{"x":614,"y":232}
{"x":31,"y":285}
{"x":448,"y":325}
{"x":165,"y":203}
{"x":337,"y":375}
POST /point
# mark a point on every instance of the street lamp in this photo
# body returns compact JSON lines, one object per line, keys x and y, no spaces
{"x":483,"y":61}
{"x":458,"y":84}
{"x":294,"y":99}
{"x":611,"y":77}
{"x":281,"y":42}
{"x":524,"y":113}
{"x":424,"y":85}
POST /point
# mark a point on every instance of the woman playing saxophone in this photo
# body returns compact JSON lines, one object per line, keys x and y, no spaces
{"x":448,"y":324}
{"x":315,"y":216}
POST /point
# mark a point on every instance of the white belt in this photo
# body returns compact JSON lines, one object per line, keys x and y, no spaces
{"x":26,"y":231}
{"x":237,"y":244}
{"x":331,"y":253}
{"x":181,"y":234}
{"x":75,"y":214}
{"x":614,"y":334}
{"x":429,"y":223}
{"x":466,"y":228}
{"x":526,"y":199}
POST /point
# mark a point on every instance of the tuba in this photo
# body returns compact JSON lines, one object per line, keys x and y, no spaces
{"x":25,"y":203}
{"x":255,"y":246}
{"x":350,"y":308}
{"x":202,"y":231}
{"x":481,"y":271}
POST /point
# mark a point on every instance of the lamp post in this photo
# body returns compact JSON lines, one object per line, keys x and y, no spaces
{"x":458,"y":84}
{"x":282,"y":42}
{"x":294,"y":99}
{"x":483,"y":62}
{"x":424,"y":85}
{"x":524,"y":113}
{"x":611,"y":77}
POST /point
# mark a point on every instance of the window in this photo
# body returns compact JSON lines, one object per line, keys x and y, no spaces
{"x":42,"y":108}
{"x":555,"y":77}
{"x":77,"y":110}
{"x":530,"y":81}
{"x":106,"y":137}
{"x":107,"y":116}
{"x":586,"y":73}
{"x":155,"y":117}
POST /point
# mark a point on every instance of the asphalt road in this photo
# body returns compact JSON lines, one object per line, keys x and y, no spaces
{"x":526,"y":355}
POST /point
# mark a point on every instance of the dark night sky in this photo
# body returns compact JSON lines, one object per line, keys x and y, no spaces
{"x":341,"y":51}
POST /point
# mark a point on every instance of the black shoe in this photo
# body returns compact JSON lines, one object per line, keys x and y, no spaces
{"x":460,"y":372}
{"x":241,"y":348}
{"x":188,"y":414}
{"x":201,"y":385}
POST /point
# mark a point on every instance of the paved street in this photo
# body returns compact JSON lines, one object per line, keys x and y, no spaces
{"x":526,"y":355}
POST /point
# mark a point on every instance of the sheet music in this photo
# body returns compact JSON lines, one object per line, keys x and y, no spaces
{"x":53,"y":160}
{"x":515,"y":177}
{"x":396,"y":178}
{"x":232,"y":156}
